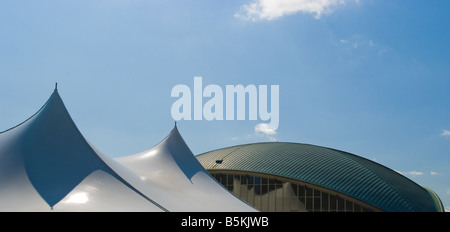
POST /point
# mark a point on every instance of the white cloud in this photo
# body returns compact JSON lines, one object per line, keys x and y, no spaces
{"x":261,"y":130}
{"x":357,"y":41}
{"x":272,"y":9}
{"x":412,"y":173}
{"x":415,"y":173}
{"x":445,"y":133}
{"x":418,"y":173}
{"x":264,"y":128}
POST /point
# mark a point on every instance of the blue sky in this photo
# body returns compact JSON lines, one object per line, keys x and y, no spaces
{"x":367,"y":77}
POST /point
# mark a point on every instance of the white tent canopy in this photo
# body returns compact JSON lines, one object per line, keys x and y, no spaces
{"x":47,"y":165}
{"x":182,"y":181}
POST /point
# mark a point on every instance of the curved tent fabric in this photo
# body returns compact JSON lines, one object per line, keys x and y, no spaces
{"x":45,"y":158}
{"x":185,"y":184}
{"x":47,"y":165}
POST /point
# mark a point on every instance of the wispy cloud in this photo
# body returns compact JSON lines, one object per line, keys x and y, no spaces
{"x":273,"y":9}
{"x":358,"y":41}
{"x":445,"y":133}
{"x":413,"y":173}
{"x":417,"y":173}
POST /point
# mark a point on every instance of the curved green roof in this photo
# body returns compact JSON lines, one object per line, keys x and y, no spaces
{"x":339,"y":171}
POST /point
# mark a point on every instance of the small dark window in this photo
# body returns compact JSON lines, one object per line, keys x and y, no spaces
{"x":219,"y":161}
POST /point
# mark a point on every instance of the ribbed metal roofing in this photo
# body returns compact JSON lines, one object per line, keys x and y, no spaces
{"x":329,"y":168}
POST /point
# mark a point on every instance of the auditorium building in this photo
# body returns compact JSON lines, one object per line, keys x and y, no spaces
{"x":294,"y":177}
